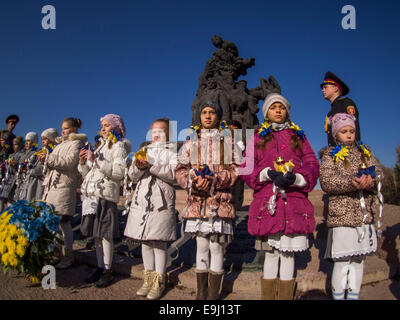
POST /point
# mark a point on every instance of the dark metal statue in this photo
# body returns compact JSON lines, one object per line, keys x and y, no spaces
{"x":219,"y":82}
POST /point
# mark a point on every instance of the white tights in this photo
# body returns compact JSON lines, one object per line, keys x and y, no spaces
{"x":204,"y":248}
{"x":271,"y":265}
{"x":154,"y":254}
{"x":347,"y":275}
{"x":104,"y":252}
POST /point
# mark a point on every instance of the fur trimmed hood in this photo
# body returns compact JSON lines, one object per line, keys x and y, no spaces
{"x":72,"y":137}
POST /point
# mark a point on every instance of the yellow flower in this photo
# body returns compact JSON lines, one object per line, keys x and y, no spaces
{"x":35,"y":279}
{"x":12,"y":230}
{"x":3,"y":248}
{"x":22,"y":240}
{"x":12,"y":260}
{"x":141,"y":154}
{"x":20,"y":250}
{"x":10,"y":244}
{"x":4,"y":259}
{"x":288,"y":166}
{"x":5,"y":217}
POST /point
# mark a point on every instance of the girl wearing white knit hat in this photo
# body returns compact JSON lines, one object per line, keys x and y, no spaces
{"x":285,"y":169}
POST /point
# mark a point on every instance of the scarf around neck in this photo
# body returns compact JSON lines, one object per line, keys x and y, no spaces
{"x":280,"y":126}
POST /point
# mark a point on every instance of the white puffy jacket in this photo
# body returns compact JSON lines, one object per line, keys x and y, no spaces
{"x":103,"y":176}
{"x":152,"y":213}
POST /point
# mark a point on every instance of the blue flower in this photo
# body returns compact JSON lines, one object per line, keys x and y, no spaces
{"x":23,"y":217}
{"x":31,"y":234}
{"x":51,"y":221}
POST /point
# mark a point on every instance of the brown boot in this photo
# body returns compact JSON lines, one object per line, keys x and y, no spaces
{"x":214,"y":285}
{"x":202,"y":284}
{"x":268,"y":289}
{"x":286,"y":289}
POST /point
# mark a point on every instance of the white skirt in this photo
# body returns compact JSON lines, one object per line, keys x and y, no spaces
{"x":209,"y":226}
{"x":282,"y":242}
{"x":346,"y":242}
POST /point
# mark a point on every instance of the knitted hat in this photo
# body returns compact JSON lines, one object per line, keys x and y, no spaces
{"x":50,"y":134}
{"x":32,"y":136}
{"x":214,"y":105}
{"x":340,"y":120}
{"x":271,"y":99}
{"x":116,"y":122}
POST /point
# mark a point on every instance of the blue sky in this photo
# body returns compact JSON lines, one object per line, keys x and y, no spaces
{"x":142,"y":60}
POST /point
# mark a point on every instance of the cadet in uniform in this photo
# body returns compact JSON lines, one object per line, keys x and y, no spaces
{"x":11,"y":122}
{"x":333,"y":90}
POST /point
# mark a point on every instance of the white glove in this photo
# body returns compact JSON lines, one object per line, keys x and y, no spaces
{"x":300,"y":182}
{"x":264,"y":175}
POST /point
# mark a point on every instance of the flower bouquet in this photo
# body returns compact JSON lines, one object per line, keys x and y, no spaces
{"x":28,"y":237}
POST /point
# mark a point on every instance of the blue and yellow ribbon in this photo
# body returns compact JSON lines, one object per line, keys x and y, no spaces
{"x":194,"y":131}
{"x":34,"y":146}
{"x":364,"y":148}
{"x":223,"y":127}
{"x":265,"y":129}
{"x":114,"y":136}
{"x":300,"y":133}
{"x":339,"y":152}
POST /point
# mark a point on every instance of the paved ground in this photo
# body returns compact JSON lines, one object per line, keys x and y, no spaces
{"x":70,"y":286}
{"x":313,"y":272}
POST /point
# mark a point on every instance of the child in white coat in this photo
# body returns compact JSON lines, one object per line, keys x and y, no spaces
{"x":61,"y":182}
{"x":103,"y":169}
{"x":152,"y":216}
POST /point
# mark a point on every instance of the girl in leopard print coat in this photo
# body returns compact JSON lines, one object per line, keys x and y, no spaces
{"x":349,"y":173}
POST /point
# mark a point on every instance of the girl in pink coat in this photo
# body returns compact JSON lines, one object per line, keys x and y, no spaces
{"x":281,"y":167}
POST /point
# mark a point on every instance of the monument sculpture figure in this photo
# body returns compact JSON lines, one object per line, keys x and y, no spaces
{"x":219,"y":82}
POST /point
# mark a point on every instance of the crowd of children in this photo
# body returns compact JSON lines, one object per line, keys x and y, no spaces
{"x":278,"y":163}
